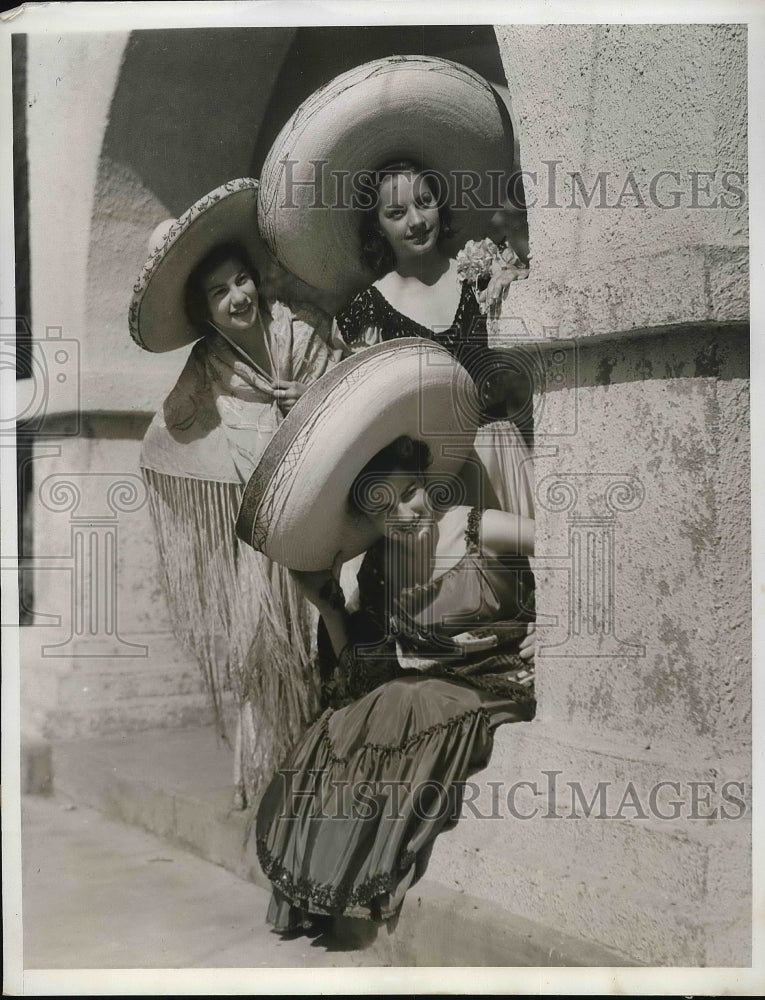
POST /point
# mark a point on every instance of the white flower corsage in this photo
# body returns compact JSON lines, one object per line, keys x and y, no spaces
{"x":480,"y":260}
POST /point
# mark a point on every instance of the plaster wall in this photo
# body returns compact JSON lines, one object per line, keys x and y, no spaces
{"x":71,"y":81}
{"x":680,"y":559}
{"x":630,"y":102}
{"x":69,"y":85}
{"x":93,"y":390}
{"x":634,"y":320}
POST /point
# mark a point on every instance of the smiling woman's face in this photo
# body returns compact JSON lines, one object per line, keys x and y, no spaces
{"x":407,"y":214}
{"x":232,"y":296}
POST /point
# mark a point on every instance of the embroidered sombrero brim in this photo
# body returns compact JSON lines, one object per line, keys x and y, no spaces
{"x":295,"y":506}
{"x":436,"y":112}
{"x":157,"y":315}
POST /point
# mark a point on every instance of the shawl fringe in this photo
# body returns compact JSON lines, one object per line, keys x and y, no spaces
{"x":241,"y":617}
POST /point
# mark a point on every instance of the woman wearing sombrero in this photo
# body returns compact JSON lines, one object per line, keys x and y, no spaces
{"x":347,"y":825}
{"x":369,"y":190}
{"x":236,"y":611}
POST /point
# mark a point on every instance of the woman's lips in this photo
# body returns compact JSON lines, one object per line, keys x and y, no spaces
{"x":238,"y":313}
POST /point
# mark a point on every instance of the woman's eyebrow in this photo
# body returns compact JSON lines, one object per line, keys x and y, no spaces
{"x":214,"y":287}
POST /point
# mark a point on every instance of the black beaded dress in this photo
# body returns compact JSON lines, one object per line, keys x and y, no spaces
{"x":369,"y":318}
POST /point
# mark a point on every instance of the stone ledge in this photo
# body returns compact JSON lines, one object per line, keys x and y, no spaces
{"x":685,"y":285}
{"x":97,"y":390}
{"x":84,"y":695}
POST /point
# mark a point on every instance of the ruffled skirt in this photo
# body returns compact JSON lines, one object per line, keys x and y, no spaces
{"x":347,"y":825}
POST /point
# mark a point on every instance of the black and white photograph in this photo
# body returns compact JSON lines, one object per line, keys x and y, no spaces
{"x":378,"y":580}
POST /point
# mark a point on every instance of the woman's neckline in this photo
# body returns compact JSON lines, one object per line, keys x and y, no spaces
{"x":469,"y":549}
{"x":421,"y":326}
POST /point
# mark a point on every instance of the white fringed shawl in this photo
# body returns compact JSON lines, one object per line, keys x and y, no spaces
{"x":238,"y":613}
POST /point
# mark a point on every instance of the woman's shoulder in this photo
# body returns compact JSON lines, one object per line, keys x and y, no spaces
{"x":303,"y":313}
{"x":191,"y":392}
{"x":465,"y":524}
{"x":296,"y":309}
{"x":191,"y":374}
{"x":361,"y":311}
{"x":362,"y":299}
{"x":453,"y":523}
{"x":385,"y":284}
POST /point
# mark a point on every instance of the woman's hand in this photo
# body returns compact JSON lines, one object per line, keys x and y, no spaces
{"x":496,"y":290}
{"x":529,"y":643}
{"x":316,"y":585}
{"x":287,"y":394}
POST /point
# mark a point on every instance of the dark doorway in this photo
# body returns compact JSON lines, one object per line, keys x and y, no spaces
{"x":317,"y":55}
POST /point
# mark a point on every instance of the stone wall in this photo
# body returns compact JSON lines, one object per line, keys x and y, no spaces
{"x":634,"y":320}
{"x":99,"y":656}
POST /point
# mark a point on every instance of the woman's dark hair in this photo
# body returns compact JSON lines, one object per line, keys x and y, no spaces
{"x":196,"y":299}
{"x":376,"y":252}
{"x":405,"y":453}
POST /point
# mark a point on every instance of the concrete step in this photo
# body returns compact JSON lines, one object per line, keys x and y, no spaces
{"x":685,"y":855}
{"x":98,"y":684}
{"x":633,"y":917}
{"x":131,"y":715}
{"x":82,"y":695}
{"x":176,"y":784}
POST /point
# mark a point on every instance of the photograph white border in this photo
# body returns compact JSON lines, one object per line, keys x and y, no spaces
{"x":101,"y":17}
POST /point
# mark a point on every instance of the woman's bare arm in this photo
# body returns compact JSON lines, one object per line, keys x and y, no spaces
{"x":323,"y":590}
{"x":506,"y":534}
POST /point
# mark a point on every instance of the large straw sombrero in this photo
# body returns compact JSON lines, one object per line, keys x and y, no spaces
{"x":157,"y":315}
{"x":295,"y":506}
{"x":440,"y":114}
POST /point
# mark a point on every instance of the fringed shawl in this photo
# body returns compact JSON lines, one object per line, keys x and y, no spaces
{"x":238,"y":613}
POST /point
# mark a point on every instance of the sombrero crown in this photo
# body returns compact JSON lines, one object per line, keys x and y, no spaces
{"x":295,"y":506}
{"x":438,"y":113}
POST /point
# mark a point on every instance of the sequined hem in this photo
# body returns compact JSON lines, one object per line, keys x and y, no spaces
{"x":306,"y":893}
